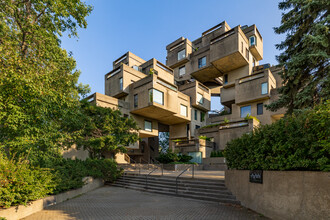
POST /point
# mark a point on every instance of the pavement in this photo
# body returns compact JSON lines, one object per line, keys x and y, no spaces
{"x":111,"y":202}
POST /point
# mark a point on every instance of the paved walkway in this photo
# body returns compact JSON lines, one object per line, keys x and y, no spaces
{"x":118,"y":203}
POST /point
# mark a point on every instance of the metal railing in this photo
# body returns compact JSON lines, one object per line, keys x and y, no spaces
{"x":176,"y":179}
{"x":148,"y":176}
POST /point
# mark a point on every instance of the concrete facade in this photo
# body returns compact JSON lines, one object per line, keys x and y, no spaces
{"x":283,"y":194}
{"x":176,"y":97}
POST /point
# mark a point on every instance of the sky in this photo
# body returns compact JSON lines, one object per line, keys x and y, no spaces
{"x":145,"y":27}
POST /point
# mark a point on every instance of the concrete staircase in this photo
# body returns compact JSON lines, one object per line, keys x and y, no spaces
{"x":203,"y":189}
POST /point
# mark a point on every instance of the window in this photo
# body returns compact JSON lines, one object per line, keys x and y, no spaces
{"x":147,"y":125}
{"x":135,"y":67}
{"x":121,"y":83}
{"x":181,"y":54}
{"x":125,"y":115}
{"x":156,"y":96}
{"x":182,"y":70}
{"x":202,"y":116}
{"x":245,"y":111}
{"x":247,"y":54}
{"x":252,"y":40}
{"x":200,"y":99}
{"x":260,"y":108}
{"x":197,"y":126}
{"x":135,"y":100}
{"x":201,"y":62}
{"x":226,"y":78}
{"x":264,"y":88}
{"x":183,"y":110}
{"x":195,"y":115}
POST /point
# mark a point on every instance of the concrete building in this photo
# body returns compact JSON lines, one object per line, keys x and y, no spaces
{"x":176,"y":97}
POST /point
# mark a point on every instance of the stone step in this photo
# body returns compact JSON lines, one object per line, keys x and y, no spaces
{"x":231,"y":200}
{"x":181,"y":179}
{"x":192,"y":186}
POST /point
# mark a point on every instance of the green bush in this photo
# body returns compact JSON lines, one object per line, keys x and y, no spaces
{"x":167,"y":157}
{"x":21,"y":183}
{"x":184,"y":158}
{"x":217,"y":153}
{"x":204,"y":138}
{"x":297,"y":142}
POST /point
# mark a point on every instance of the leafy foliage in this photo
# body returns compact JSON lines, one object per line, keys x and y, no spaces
{"x":164,"y":141}
{"x":20,"y":182}
{"x":217,"y":153}
{"x":297,"y":142}
{"x":39,"y":91}
{"x":106,"y":131}
{"x":202,"y":137}
{"x":306,"y":54}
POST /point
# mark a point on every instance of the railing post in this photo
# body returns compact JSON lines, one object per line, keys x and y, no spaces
{"x":193,"y":170}
{"x":162,"y":169}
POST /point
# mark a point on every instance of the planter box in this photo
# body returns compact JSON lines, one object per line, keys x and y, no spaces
{"x":283,"y":194}
{"x":21,"y":211}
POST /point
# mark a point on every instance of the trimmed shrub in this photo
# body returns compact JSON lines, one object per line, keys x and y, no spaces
{"x":297,"y":142}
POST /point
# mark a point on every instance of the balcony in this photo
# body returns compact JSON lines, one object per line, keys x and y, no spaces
{"x":118,"y":80}
{"x":255,"y":41}
{"x":157,"y":99}
{"x":129,"y":59}
{"x":255,"y":87}
{"x":178,"y":52}
{"x":108,"y":102}
{"x":229,"y":51}
{"x":200,"y":95}
{"x":163,"y":72}
{"x":227,"y":94}
{"x":203,"y":70}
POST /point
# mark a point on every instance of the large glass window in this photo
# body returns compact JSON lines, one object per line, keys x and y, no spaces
{"x":264,"y":88}
{"x":260,"y":108}
{"x":147,"y":125}
{"x":252,"y":40}
{"x":182,"y":70}
{"x":156,"y":96}
{"x":183,"y":110}
{"x":202,"y":116}
{"x":200,"y":99}
{"x":181,"y":54}
{"x":135,"y":100}
{"x":245,"y":111}
{"x":195,"y":114}
{"x":121,"y":83}
{"x":201,"y":62}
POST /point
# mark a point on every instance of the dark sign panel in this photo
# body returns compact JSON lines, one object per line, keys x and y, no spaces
{"x":256,"y":176}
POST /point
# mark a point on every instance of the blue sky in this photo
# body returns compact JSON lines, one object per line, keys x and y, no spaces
{"x":145,"y":27}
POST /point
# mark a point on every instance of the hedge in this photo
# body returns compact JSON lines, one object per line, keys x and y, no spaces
{"x":20,"y":182}
{"x":297,"y":142}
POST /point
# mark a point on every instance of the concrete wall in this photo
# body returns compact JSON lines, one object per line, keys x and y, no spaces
{"x":73,"y":153}
{"x":283,"y":194}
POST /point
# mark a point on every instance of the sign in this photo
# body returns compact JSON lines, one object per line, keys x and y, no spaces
{"x":256,"y":176}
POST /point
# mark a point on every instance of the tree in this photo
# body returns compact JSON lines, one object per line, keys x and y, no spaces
{"x":164,"y":142}
{"x":106,"y":131}
{"x":306,"y":54}
{"x":39,"y":93}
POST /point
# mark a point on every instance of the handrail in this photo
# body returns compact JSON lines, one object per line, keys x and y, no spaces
{"x":149,"y":175}
{"x":135,"y":163}
{"x":176,"y":179}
